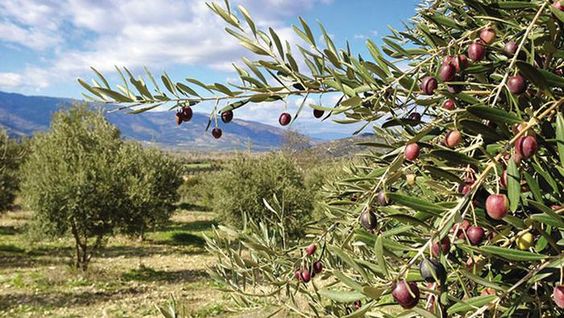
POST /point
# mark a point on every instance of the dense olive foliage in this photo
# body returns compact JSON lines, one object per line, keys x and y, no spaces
{"x":11,"y":156}
{"x":469,"y":185}
{"x":81,"y":179}
{"x":240,"y":189}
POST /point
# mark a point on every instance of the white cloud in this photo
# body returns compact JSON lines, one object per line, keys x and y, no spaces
{"x":133,"y":33}
{"x":10,"y":80}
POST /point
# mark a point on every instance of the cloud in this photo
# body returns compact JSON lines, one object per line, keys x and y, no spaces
{"x":10,"y":80}
{"x":75,"y":34}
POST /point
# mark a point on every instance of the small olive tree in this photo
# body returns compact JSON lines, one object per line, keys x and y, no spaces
{"x":242,"y":186}
{"x":470,"y":184}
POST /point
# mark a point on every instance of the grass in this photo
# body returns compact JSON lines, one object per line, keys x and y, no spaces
{"x":127,"y":278}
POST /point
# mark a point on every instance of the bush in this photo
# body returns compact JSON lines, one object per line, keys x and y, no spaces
{"x":11,"y":155}
{"x":241,"y":187}
{"x":81,"y":179}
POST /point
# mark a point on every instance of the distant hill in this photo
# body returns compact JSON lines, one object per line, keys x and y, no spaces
{"x":24,"y":115}
{"x":344,"y":147}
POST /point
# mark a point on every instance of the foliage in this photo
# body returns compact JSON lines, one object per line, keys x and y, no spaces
{"x":11,"y":155}
{"x":492,"y":111}
{"x":239,"y":191}
{"x":92,"y":184}
{"x":152,"y":179}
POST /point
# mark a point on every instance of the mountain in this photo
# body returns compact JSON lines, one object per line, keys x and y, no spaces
{"x":24,"y":115}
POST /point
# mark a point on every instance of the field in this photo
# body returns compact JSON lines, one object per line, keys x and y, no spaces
{"x":126,"y":279}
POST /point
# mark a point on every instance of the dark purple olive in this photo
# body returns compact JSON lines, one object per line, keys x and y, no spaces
{"x":415,"y":116}
{"x":187,"y":113}
{"x":432,"y":270}
{"x":447,"y":72}
{"x":285,"y":119}
{"x":526,"y":146}
{"x":317,"y":267}
{"x":428,"y":85}
{"x":406,"y":294}
{"x":517,"y":84}
{"x":178,"y":118}
{"x":475,"y":234}
{"x":443,"y":247}
{"x":383,"y":199}
{"x":317,"y":113}
{"x":227,"y":116}
{"x":368,"y":220}
{"x":476,"y":51}
{"x":216,"y":133}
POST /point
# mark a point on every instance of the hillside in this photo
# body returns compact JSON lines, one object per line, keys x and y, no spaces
{"x":24,"y":115}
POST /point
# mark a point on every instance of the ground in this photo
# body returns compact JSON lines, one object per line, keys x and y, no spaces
{"x":128,"y":278}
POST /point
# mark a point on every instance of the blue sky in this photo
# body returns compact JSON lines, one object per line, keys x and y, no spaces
{"x":46,"y":44}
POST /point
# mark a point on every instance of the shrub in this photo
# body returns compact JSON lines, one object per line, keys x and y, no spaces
{"x":470,"y":101}
{"x":245,"y":182}
{"x":11,"y":155}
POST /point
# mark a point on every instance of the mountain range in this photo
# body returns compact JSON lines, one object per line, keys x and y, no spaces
{"x":24,"y":115}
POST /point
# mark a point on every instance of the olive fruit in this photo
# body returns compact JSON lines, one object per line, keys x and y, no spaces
{"x":475,"y":234}
{"x":406,"y":294}
{"x":453,"y":138}
{"x":178,"y":118}
{"x":383,"y":199}
{"x":415,"y":116}
{"x":284,"y":119}
{"x":305,"y":275}
{"x":310,"y":250}
{"x":412,"y":151}
{"x":497,"y":206}
{"x":227,"y":116}
{"x":317,"y":267}
{"x":449,"y":104}
{"x":432,"y":270}
{"x":187,"y":113}
{"x":442,"y":246}
{"x":368,"y":220}
{"x":503,"y":179}
{"x":510,"y":48}
{"x":559,"y":4}
{"x":317,"y":113}
{"x":447,"y":72}
{"x":216,"y":133}
{"x":558,"y":295}
{"x":428,"y":85}
{"x":526,"y":146}
{"x":476,"y":51}
{"x":517,"y":84}
{"x":487,"y":35}
{"x":524,"y":241}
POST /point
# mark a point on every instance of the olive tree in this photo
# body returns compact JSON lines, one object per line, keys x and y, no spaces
{"x":461,"y":205}
{"x":152,"y":179}
{"x":11,"y":155}
{"x":81,"y":179}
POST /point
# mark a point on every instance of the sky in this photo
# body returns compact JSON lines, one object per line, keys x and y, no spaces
{"x":45,"y":45}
